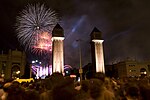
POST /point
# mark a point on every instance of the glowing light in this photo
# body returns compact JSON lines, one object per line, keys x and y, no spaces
{"x":67,"y":66}
{"x":98,"y":41}
{"x":33,"y":62}
{"x":99,"y":56}
{"x":72,"y":76}
{"x":58,"y":58}
{"x":46,"y":71}
{"x":41,"y":71}
{"x":18,"y":72}
{"x":45,"y":42}
{"x":57,"y":38}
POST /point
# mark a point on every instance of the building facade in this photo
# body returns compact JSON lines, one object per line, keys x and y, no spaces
{"x":12,"y":65}
{"x":133,"y":68}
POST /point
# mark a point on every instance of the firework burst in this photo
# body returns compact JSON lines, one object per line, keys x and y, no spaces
{"x":34,"y":27}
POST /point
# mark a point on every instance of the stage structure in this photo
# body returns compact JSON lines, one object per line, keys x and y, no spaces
{"x":41,"y":71}
{"x":97,"y":51}
{"x":58,"y":49}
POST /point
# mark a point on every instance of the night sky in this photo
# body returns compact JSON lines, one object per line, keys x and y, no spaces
{"x":125,"y":27}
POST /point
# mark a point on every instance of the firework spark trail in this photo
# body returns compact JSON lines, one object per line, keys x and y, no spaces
{"x":33,"y":21}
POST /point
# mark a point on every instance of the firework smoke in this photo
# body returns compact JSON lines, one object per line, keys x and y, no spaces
{"x":34,"y":27}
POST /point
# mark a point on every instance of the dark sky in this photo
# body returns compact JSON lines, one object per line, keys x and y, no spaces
{"x":124,"y":25}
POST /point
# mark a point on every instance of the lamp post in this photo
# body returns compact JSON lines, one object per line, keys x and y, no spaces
{"x":30,"y":70}
{"x":80,"y":57}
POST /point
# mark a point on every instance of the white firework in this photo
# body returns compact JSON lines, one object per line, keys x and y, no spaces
{"x":33,"y":21}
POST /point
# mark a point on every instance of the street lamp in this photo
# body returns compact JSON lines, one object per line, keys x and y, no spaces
{"x":80,"y":56}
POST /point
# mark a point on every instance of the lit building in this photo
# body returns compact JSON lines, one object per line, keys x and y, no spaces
{"x":58,"y":49}
{"x":12,"y":65}
{"x":133,"y":68}
{"x":97,"y":51}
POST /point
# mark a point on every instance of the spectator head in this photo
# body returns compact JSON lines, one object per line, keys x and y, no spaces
{"x":132,"y":90}
{"x":64,"y":90}
{"x":96,"y":87}
{"x":85,"y":85}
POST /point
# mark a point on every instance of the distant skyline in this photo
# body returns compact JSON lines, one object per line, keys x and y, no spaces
{"x":124,"y":25}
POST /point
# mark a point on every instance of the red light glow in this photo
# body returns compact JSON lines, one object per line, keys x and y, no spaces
{"x":44,"y":42}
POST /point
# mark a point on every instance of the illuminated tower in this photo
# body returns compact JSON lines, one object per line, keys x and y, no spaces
{"x":58,"y":50}
{"x":97,"y":51}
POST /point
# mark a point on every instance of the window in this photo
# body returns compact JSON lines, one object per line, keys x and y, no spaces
{"x":15,"y":72}
{"x":132,"y":70}
{"x":131,"y":65}
{"x":143,"y":71}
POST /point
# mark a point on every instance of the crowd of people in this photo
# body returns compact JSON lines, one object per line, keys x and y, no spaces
{"x":58,"y":87}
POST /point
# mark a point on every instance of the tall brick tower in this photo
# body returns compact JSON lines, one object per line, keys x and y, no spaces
{"x":58,"y":49}
{"x":97,"y":51}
